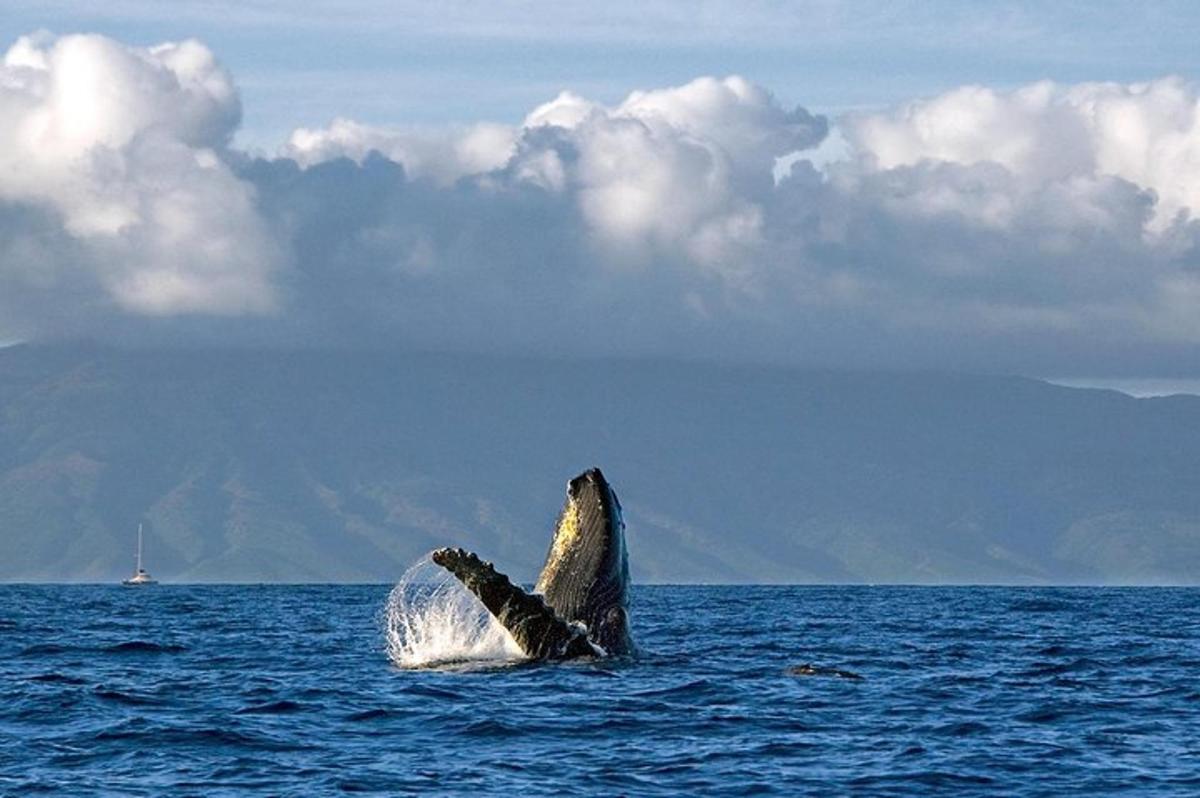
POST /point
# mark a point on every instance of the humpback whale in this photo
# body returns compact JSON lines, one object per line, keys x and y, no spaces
{"x":580,"y":604}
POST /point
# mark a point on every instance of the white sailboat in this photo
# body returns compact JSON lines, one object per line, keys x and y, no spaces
{"x":140,"y":577}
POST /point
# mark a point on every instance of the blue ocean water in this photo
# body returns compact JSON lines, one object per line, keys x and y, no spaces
{"x":285,"y":690}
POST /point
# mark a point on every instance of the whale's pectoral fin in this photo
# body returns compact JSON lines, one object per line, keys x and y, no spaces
{"x":534,"y":625}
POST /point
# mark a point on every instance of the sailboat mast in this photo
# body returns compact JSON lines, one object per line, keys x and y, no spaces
{"x":139,"y":557}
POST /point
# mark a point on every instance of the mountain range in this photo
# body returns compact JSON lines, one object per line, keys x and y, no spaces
{"x":262,"y":465}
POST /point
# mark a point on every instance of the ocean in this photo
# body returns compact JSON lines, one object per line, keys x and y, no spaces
{"x":321,"y":690}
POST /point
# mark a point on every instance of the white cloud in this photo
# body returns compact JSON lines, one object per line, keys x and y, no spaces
{"x":668,"y":171}
{"x":444,"y":156}
{"x":567,"y":110}
{"x":1024,"y":230}
{"x":1060,"y":211}
{"x":683,"y":169}
{"x":1146,"y":133}
{"x":122,"y":144}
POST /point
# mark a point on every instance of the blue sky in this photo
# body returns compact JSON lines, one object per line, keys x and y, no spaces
{"x":996,"y":187}
{"x":427,"y":63}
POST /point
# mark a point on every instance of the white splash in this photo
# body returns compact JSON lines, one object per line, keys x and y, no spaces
{"x":432,"y":621}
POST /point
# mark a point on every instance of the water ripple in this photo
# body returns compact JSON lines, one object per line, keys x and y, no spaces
{"x":230,"y":691}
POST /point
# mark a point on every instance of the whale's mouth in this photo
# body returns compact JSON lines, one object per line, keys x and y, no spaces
{"x":591,"y":487}
{"x":586,"y":574}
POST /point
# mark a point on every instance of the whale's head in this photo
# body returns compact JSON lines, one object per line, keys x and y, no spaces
{"x":586,"y":575}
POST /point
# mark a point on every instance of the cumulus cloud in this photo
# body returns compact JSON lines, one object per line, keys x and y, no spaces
{"x":1145,"y":133}
{"x":681,"y":170}
{"x":1064,"y":209}
{"x":1049,"y":228}
{"x":123,"y":147}
{"x":442,"y":156}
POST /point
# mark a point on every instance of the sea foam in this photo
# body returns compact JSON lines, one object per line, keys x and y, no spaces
{"x":432,"y":621}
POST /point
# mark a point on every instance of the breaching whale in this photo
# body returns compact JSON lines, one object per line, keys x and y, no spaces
{"x":580,"y":604}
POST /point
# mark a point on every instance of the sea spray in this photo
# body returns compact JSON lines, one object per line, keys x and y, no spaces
{"x":431,"y":621}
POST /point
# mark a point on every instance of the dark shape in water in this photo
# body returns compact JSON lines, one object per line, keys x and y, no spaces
{"x":583,"y":609}
{"x":814,"y":670}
